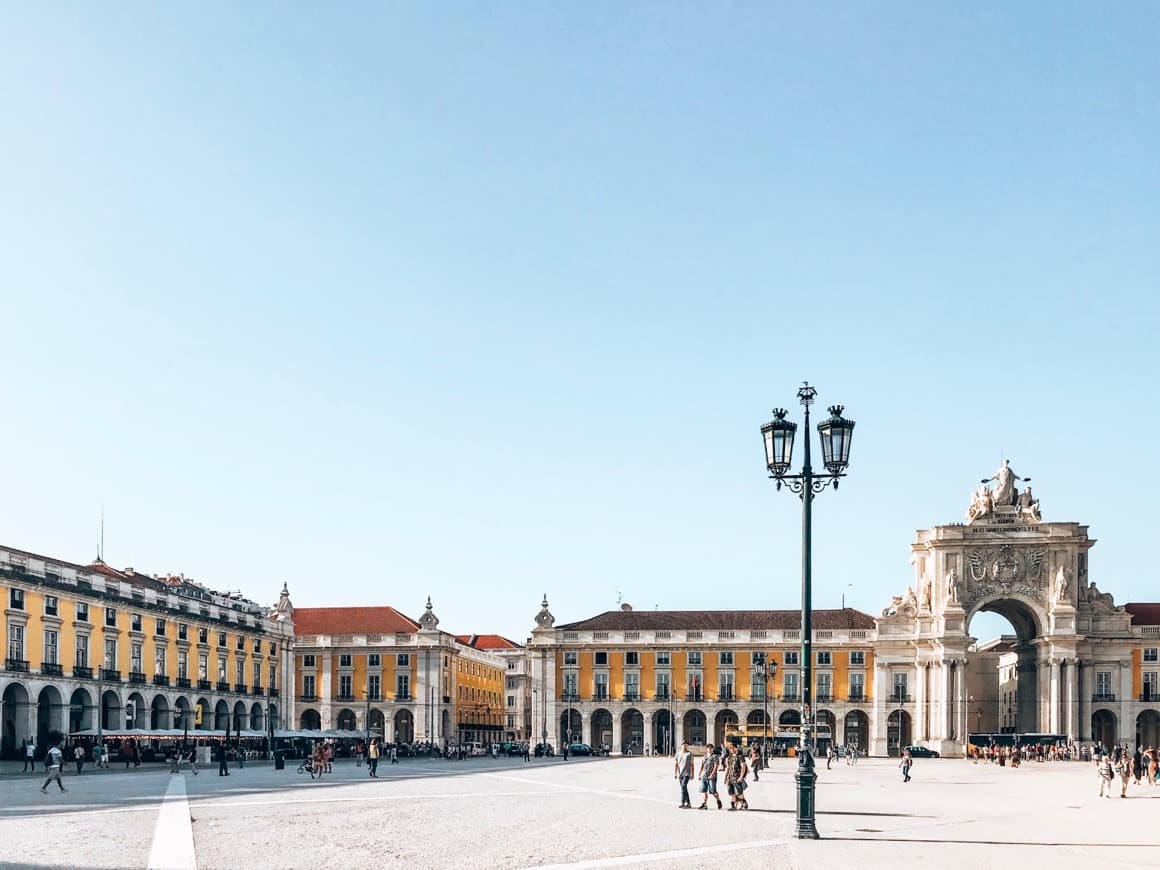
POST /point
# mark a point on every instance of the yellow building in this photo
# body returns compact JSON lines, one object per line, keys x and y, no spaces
{"x":376,"y":670}
{"x":630,"y":680}
{"x":93,"y":648}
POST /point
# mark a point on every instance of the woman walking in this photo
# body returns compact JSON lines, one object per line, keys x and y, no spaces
{"x":373,"y":757}
{"x":905,"y":764}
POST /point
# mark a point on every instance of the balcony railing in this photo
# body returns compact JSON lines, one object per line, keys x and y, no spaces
{"x":258,"y":690}
{"x":272,"y":692}
{"x":204,"y":684}
{"x":1104,"y":698}
{"x":824,"y":697}
{"x":789,"y":697}
{"x":661,"y":696}
{"x":183,"y":682}
{"x":160,"y":680}
{"x":856,"y":696}
{"x":347,"y":696}
{"x":898,"y":698}
{"x":374,"y":696}
{"x":1150,"y":697}
{"x":111,"y":675}
{"x":83,"y":673}
{"x":240,"y":688}
{"x":18,"y":665}
{"x":51,"y":670}
{"x":696,"y":697}
{"x":136,"y":677}
{"x":403,"y":696}
{"x":632,"y":696}
{"x":308,"y":698}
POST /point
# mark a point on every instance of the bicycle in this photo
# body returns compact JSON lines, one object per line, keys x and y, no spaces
{"x":307,"y":767}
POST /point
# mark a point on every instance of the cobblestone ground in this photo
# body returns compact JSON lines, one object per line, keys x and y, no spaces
{"x":488,"y":813}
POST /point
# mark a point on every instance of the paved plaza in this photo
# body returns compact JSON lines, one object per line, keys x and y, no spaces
{"x":486,"y":813}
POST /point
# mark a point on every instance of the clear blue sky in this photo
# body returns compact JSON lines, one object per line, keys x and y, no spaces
{"x":483,"y":301}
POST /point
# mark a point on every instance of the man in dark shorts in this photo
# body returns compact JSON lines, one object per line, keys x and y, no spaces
{"x":735,"y":772}
{"x":709,"y":764}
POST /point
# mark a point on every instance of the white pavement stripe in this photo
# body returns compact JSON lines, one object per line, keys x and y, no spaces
{"x":173,"y":838}
{"x":649,"y":857}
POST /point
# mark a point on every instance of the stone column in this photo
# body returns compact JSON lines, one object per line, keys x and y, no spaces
{"x":617,"y":736}
{"x":1126,"y":726}
{"x":919,"y":702}
{"x":876,"y":739}
{"x":324,"y":691}
{"x":1054,"y":724}
{"x":679,"y":730}
{"x":1072,"y":702}
{"x":961,"y":671}
{"x":1084,"y":680}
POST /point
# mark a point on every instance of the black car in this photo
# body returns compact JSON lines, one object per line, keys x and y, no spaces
{"x":921,"y":752}
{"x":580,"y":749}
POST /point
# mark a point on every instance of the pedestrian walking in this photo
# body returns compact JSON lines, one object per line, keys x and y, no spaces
{"x":223,"y":764}
{"x":318,"y":761}
{"x":359,"y":751}
{"x":373,"y":757}
{"x":755,"y":762}
{"x":394,"y":753}
{"x":240,"y":754}
{"x":830,"y":756}
{"x":710,"y":764}
{"x":79,"y":757}
{"x":905,"y":764}
{"x":1125,"y":771}
{"x":29,"y":757}
{"x":54,"y":759}
{"x":682,"y":771}
{"x":1137,"y":765}
{"x":1104,"y":769}
{"x":527,"y":752}
{"x":735,"y":772}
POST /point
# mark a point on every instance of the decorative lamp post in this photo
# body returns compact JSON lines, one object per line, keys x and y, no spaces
{"x":766,"y":671}
{"x":778,"y":435}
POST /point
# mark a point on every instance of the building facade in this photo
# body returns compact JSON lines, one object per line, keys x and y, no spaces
{"x":632,"y":680}
{"x":377,"y":671}
{"x":91,"y":647}
{"x":513,"y":719}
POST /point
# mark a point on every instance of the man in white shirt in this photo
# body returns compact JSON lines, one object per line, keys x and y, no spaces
{"x":683,"y":771}
{"x":55,"y":759}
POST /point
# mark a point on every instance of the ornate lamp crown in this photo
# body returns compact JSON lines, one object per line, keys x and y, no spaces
{"x":778,"y":436}
{"x":836,"y":433}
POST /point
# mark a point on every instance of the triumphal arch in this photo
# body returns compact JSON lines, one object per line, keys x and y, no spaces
{"x":1005,"y":558}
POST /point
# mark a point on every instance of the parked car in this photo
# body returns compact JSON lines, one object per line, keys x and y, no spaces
{"x":921,"y":752}
{"x":580,"y":749}
{"x":544,"y":749}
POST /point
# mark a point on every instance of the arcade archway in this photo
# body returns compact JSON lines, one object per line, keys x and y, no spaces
{"x":1148,"y":729}
{"x":632,"y":732}
{"x":600,"y":729}
{"x":1104,"y":728}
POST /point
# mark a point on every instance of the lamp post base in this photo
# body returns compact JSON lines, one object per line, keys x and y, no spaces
{"x":805,"y":779}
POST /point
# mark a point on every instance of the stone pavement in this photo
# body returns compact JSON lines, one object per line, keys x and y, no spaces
{"x":486,"y":813}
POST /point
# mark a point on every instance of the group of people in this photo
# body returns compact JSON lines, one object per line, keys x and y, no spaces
{"x":731,"y":761}
{"x":1126,"y":766}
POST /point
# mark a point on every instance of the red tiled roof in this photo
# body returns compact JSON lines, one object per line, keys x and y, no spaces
{"x":1144,"y":613}
{"x":486,"y":641}
{"x":351,"y":620}
{"x":718,"y":620}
